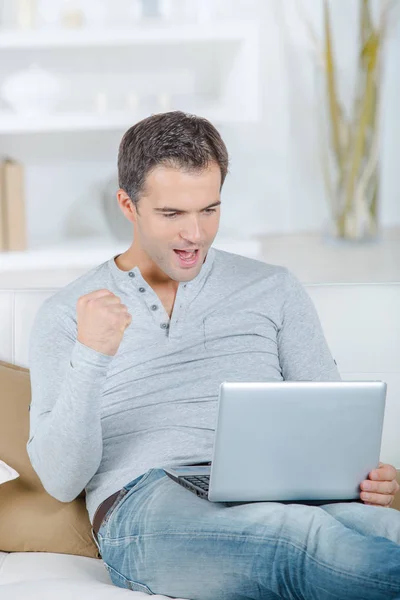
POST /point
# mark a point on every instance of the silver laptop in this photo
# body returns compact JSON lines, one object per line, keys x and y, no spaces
{"x":291,"y":442}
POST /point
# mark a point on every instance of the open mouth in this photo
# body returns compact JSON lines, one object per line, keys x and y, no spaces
{"x":187,"y":257}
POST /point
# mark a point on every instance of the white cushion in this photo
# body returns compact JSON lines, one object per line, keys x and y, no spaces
{"x":47,"y":576}
{"x":19,"y":566}
{"x":361,"y":323}
{"x":3,"y":556}
{"x":67,"y":589}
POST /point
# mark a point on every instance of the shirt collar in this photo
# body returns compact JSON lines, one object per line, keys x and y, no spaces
{"x":135,"y":276}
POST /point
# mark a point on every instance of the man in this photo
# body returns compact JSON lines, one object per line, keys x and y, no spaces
{"x":126,"y":363}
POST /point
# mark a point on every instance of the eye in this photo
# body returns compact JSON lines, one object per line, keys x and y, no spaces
{"x":209,"y":211}
{"x":170,"y":215}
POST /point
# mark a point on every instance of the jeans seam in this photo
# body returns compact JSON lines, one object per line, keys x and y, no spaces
{"x":253,"y":537}
{"x":129,"y":579}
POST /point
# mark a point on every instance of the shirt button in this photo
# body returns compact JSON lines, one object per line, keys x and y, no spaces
{"x":142,"y":290}
{"x":154,"y":307}
{"x":131,"y":274}
{"x":164,"y":326}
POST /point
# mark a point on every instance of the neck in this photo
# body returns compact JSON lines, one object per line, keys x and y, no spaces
{"x":137,"y":257}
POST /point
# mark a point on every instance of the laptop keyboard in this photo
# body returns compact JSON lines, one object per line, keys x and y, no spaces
{"x":201,"y":481}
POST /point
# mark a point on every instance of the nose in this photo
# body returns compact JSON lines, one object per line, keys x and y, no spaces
{"x":191,"y":231}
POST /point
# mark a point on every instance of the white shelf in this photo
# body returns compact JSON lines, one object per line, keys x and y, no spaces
{"x":314,"y":259}
{"x":222,"y":105}
{"x":12,"y":123}
{"x":145,"y":34}
{"x":85,"y":254}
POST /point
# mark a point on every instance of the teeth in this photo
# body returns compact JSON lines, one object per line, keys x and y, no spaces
{"x":186,"y":255}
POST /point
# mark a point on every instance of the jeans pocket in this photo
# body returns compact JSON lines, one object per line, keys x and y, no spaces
{"x":124,"y":493}
{"x":124,"y":582}
{"x":133,"y":487}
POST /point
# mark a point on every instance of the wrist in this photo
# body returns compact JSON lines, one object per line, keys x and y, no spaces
{"x":97,"y":345}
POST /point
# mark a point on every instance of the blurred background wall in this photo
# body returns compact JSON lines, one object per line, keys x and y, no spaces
{"x":248,"y":65}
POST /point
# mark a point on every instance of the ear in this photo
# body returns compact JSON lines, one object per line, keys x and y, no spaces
{"x":127,"y":206}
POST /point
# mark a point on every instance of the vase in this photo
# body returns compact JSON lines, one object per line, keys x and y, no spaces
{"x":349,"y":137}
{"x":351,"y":172}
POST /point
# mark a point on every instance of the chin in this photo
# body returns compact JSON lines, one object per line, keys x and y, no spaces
{"x":176,"y":273}
{"x":183,"y":277}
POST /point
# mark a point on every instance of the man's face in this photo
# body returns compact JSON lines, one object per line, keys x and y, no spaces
{"x":178,"y":218}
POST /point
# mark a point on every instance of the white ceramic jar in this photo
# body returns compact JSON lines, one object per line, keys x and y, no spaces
{"x":32,"y":91}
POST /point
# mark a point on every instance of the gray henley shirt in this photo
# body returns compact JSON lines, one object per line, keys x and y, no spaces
{"x":97,"y":422}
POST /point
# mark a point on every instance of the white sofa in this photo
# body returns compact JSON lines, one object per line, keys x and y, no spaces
{"x":362,"y":326}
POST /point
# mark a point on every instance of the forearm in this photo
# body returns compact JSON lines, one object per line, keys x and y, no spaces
{"x":65,"y":445}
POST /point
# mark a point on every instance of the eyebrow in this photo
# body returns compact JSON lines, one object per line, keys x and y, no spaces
{"x":166,"y":209}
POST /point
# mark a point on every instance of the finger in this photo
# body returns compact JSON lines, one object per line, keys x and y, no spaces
{"x":383,"y":473}
{"x":379,"y":487}
{"x":377,"y":499}
{"x":123,"y":313}
{"x":126,"y":324}
{"x":109,"y":300}
{"x":117,"y":308}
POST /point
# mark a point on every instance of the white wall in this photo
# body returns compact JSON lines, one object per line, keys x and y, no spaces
{"x":275,"y":183}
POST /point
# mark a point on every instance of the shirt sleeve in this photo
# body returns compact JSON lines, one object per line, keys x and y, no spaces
{"x":304,"y":354}
{"x":65,"y":437}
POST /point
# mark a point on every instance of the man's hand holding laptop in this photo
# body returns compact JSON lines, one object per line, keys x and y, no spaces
{"x":380,"y":487}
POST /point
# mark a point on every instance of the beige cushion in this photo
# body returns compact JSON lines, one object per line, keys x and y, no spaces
{"x":396,"y":503}
{"x":30,"y":519}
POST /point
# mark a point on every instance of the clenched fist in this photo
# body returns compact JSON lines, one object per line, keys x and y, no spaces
{"x":102,"y":320}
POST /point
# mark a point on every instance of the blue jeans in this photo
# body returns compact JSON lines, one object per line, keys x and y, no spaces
{"x":160,"y":538}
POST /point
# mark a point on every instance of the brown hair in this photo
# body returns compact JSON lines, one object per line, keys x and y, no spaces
{"x":174,"y":139}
